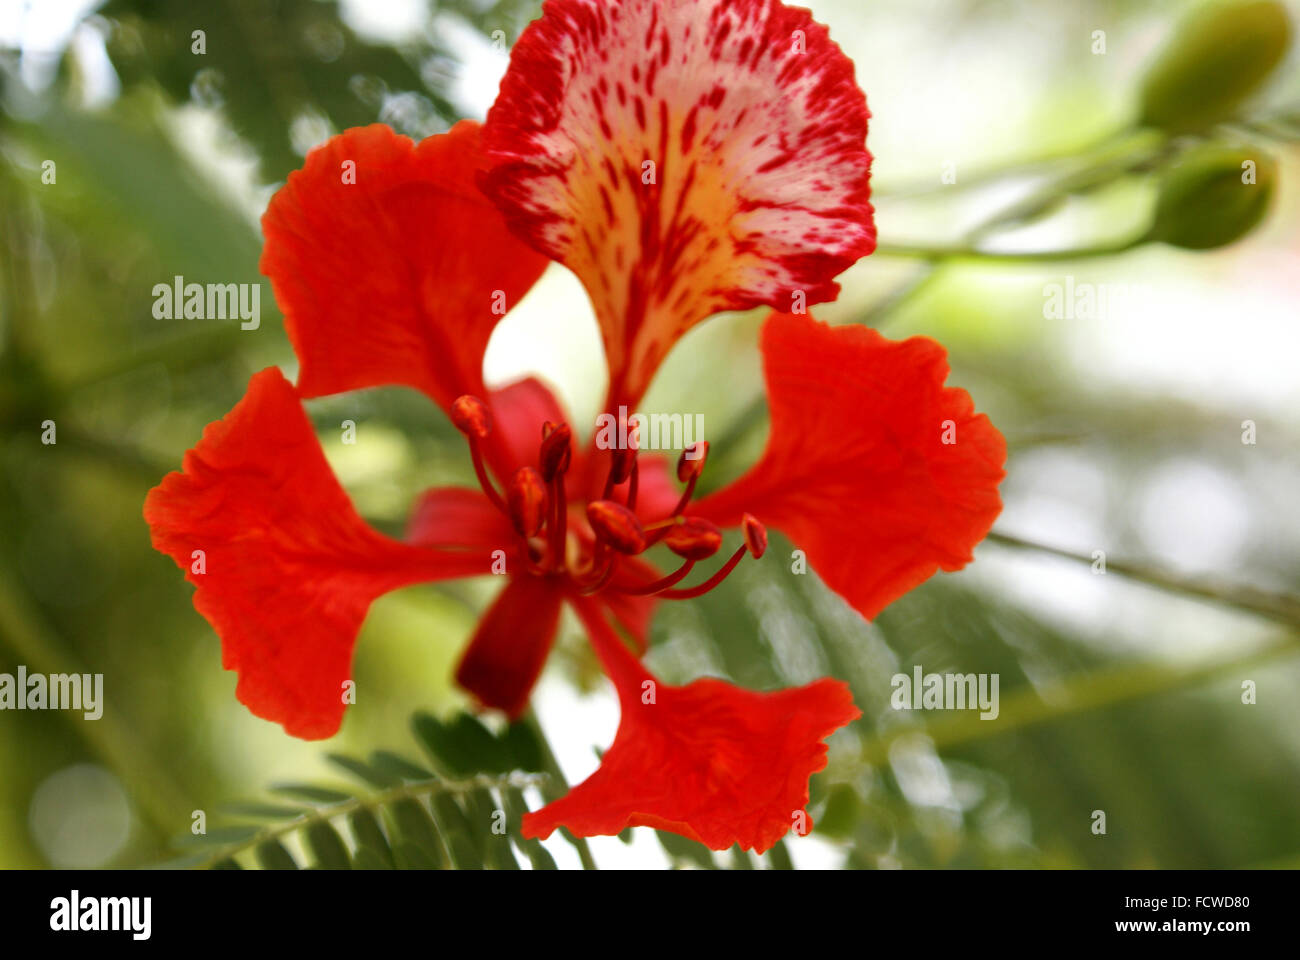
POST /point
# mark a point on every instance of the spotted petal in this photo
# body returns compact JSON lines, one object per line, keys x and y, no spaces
{"x":682,"y":157}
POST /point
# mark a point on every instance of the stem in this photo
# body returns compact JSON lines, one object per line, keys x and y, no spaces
{"x":1279,"y":608}
{"x":933,"y":253}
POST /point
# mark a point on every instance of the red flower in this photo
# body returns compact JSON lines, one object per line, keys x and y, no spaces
{"x":755,"y":192}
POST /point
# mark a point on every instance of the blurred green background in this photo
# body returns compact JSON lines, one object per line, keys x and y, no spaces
{"x":1000,"y":128}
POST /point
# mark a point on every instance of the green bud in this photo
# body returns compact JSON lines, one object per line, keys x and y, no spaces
{"x":1218,"y":56}
{"x":1214,"y":195}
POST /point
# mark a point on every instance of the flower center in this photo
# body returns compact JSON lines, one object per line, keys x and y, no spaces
{"x":587,"y":556}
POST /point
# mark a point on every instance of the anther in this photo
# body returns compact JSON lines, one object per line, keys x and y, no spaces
{"x":689,"y":467}
{"x":691,"y":462}
{"x":755,"y":535}
{"x":555,"y":454}
{"x":693,"y":539}
{"x":526,"y":498}
{"x":755,"y":543}
{"x":616,"y":525}
{"x":471,"y":417}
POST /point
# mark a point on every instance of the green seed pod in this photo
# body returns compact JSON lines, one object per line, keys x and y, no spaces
{"x":1218,"y":56}
{"x":1214,"y":195}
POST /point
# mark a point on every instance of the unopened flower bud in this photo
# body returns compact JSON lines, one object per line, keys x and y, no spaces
{"x":1219,"y":55}
{"x":1214,"y":195}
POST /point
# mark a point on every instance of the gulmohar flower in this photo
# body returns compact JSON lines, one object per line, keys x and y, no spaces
{"x":682,"y":157}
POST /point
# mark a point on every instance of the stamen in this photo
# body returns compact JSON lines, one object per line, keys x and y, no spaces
{"x":702,"y":588}
{"x":553,"y":459}
{"x":559,"y":521}
{"x":623,"y":459}
{"x":595,"y":585}
{"x":633,"y":485}
{"x":473,"y":418}
{"x":755,"y":544}
{"x":616,"y":525}
{"x":555,"y":452}
{"x":689,"y":467}
{"x":527,"y":502}
{"x":663,"y":583}
{"x":693,"y":538}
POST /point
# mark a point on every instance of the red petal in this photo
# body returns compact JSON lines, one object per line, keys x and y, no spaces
{"x":518,"y":411}
{"x":390,"y":279}
{"x":855,"y":471}
{"x":290,"y":567}
{"x":757,"y":130}
{"x":460,"y":517}
{"x":710,"y":761}
{"x":632,"y":612}
{"x":511,"y":644}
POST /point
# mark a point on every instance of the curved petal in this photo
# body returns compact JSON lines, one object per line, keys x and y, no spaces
{"x":681,"y":157}
{"x":633,"y":612}
{"x":285,"y":569}
{"x":509,"y":649}
{"x":518,"y":411}
{"x":387,"y":262}
{"x":452,"y":517}
{"x":874,"y":468}
{"x":710,"y":761}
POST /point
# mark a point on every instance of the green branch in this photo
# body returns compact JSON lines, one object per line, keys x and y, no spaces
{"x":1279,"y":608}
{"x":410,"y":790}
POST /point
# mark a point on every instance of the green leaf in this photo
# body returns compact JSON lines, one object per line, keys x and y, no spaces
{"x":367,"y":858}
{"x":261,"y":811}
{"x":362,"y":770}
{"x":463,"y":747}
{"x":416,"y":828}
{"x":310,"y":793}
{"x":272,"y":855}
{"x":399,"y":766}
{"x":370,"y":835}
{"x":217,"y":837}
{"x":327,"y":846}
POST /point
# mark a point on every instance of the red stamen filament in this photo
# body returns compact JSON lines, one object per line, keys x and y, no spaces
{"x":703,"y":588}
{"x":633,"y":484}
{"x":559,"y":522}
{"x":476,"y":454}
{"x":663,"y":583}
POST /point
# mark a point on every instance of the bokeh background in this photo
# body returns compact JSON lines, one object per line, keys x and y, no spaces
{"x":1120,"y":692}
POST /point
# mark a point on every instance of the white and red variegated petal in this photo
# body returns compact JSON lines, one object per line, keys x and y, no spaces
{"x":682,"y":157}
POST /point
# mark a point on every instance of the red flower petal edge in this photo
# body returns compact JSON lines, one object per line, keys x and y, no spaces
{"x":390,"y":265}
{"x":874,"y":468}
{"x":709,"y":760}
{"x":682,"y":157}
{"x":285,"y":569}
